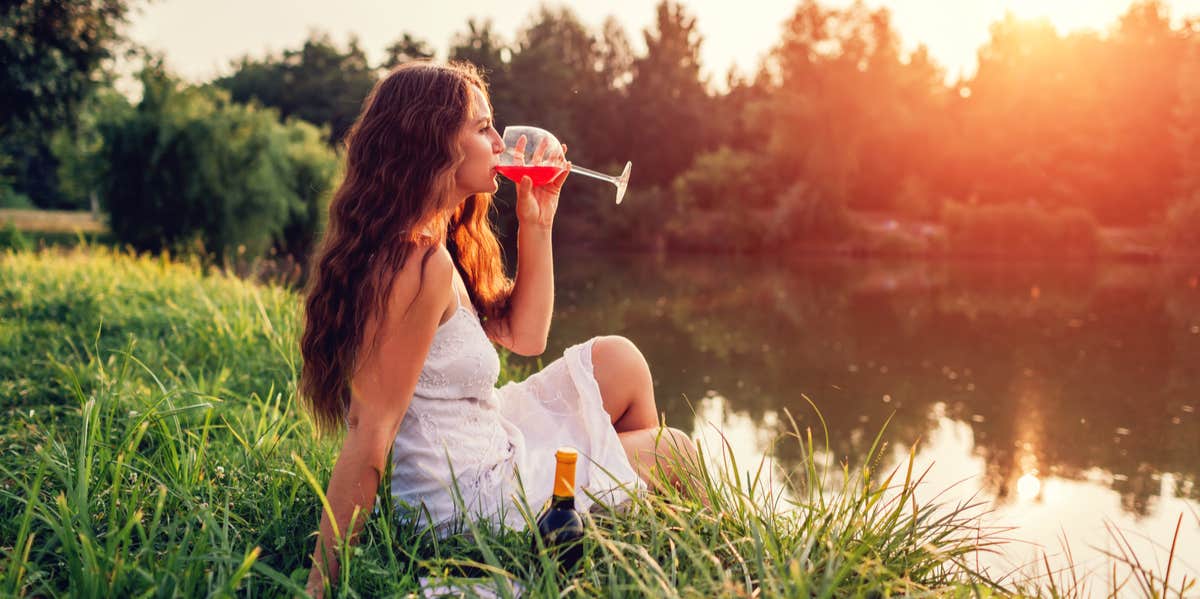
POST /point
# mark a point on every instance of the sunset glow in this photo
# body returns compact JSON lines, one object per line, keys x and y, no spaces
{"x":187,"y":30}
{"x":1067,"y":16}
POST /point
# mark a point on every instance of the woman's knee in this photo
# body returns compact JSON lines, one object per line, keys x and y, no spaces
{"x":676,"y":444}
{"x":663,"y":455}
{"x":618,"y":356}
{"x":660,"y":446}
{"x":626,"y":387}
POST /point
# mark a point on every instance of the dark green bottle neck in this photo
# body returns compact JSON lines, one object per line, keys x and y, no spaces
{"x":563,"y":502}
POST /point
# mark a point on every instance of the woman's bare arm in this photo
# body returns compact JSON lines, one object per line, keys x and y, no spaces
{"x":382,"y":390}
{"x":528,"y":324}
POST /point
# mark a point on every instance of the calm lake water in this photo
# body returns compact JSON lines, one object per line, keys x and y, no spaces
{"x":1066,"y":396}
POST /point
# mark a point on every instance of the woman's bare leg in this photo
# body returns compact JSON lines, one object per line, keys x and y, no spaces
{"x":662,"y":448}
{"x":625,"y":383}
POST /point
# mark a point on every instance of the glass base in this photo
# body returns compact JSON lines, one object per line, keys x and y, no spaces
{"x":623,"y":182}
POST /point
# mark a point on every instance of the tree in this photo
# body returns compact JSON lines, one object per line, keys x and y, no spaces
{"x":1183,"y":217}
{"x":1187,"y":122}
{"x":52,"y":52}
{"x":668,"y":107}
{"x":1142,"y":93}
{"x":570,"y":80}
{"x":78,"y":152}
{"x":843,"y":110}
{"x":317,"y":83}
{"x":482,"y":47}
{"x":188,"y":165}
{"x":563,"y":72}
{"x":406,"y":49}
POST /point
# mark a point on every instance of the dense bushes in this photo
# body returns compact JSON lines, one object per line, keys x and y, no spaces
{"x":1183,"y":225}
{"x":187,"y":166}
{"x":1019,"y":229}
{"x":12,"y":238}
{"x":733,"y":199}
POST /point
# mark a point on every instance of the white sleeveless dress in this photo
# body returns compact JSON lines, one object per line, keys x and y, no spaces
{"x":500,"y":443}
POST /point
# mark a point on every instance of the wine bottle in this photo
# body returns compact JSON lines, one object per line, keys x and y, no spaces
{"x":560,"y":525}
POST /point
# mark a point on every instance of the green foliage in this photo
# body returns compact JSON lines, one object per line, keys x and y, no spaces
{"x":725,"y":180}
{"x":668,"y":108}
{"x":810,"y":214}
{"x":318,"y":83}
{"x":1187,"y":122}
{"x":1067,"y":119}
{"x":720,"y":201}
{"x":577,"y":74}
{"x":188,"y":166}
{"x":53,"y":52}
{"x":1019,"y":230}
{"x":313,"y":174}
{"x":14,"y":199}
{"x":50,"y":51}
{"x":11,"y":238}
{"x":842,"y":109}
{"x":731,"y":198}
{"x":1081,"y":134}
{"x":407,"y":49}
{"x":78,"y":151}
{"x":483,"y":47}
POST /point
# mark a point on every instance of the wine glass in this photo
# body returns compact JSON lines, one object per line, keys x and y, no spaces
{"x":536,"y":153}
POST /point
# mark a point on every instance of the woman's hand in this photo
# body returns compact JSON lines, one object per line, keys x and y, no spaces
{"x":536,"y":206}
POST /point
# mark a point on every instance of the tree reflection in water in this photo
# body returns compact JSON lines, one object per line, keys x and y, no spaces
{"x":1059,"y":371}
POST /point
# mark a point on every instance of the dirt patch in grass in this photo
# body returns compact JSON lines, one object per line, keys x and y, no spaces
{"x":53,"y":221}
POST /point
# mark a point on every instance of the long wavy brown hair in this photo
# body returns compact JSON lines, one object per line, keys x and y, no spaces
{"x":401,"y":157}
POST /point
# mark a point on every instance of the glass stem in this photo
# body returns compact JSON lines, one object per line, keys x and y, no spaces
{"x":575,"y":168}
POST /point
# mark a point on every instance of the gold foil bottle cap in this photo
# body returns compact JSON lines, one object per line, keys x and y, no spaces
{"x":564,"y":471}
{"x":567,"y":454}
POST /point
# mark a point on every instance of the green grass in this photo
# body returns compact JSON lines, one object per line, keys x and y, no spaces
{"x":151,"y":447}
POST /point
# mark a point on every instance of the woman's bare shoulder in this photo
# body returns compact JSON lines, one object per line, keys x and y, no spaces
{"x":423,"y":280}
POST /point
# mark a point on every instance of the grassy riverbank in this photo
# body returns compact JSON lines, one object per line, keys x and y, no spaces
{"x":150,"y":441}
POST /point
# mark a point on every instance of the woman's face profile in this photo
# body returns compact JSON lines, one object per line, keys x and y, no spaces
{"x":481,"y":146}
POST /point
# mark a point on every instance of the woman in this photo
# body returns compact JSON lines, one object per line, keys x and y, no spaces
{"x":408,"y":295}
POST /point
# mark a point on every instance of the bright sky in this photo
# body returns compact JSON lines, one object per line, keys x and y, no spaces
{"x":201,"y":37}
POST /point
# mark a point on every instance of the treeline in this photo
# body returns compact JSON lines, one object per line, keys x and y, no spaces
{"x":1053,"y":136}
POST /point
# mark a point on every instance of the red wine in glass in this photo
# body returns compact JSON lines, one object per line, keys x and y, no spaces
{"x":537,"y":153}
{"x":540,"y":175}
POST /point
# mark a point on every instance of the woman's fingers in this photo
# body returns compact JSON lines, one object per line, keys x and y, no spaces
{"x":541,"y":149}
{"x":562,"y":175}
{"x":518,"y":150}
{"x":555,"y":184}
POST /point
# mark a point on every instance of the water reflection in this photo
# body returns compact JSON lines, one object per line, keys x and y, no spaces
{"x":1059,"y":376}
